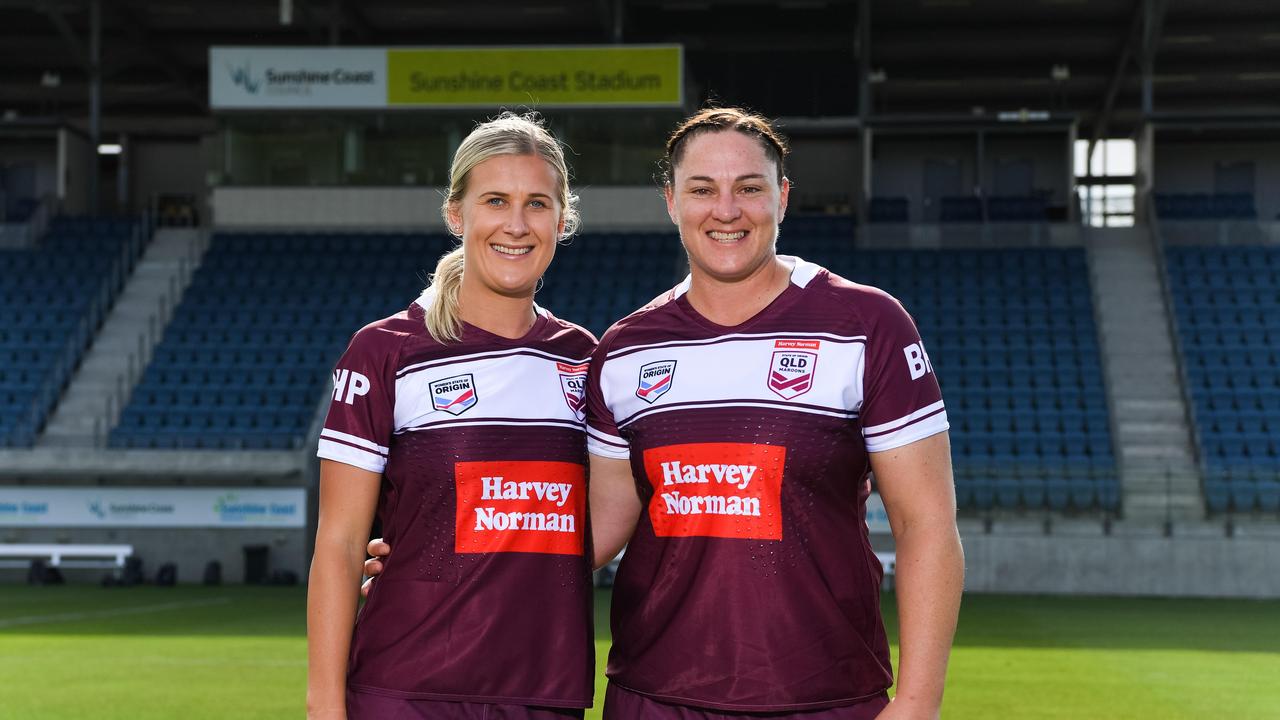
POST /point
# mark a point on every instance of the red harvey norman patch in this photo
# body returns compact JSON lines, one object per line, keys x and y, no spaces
{"x":726,"y":490}
{"x":520,"y":506}
{"x":792,"y":367}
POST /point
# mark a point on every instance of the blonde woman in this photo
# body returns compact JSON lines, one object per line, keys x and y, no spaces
{"x":459,"y":422}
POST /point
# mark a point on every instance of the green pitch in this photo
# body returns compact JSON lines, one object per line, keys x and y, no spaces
{"x":191,"y":653}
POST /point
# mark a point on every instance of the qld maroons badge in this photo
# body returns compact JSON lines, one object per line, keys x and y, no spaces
{"x":454,"y":395}
{"x":655,"y":380}
{"x":573,"y":382}
{"x":792,"y":368}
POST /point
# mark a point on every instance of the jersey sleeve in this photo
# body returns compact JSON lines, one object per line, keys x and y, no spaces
{"x":901,"y":400}
{"x":361,"y":419}
{"x":603,"y":438}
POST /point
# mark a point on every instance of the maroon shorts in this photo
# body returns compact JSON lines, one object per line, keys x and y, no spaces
{"x":370,"y":706}
{"x":622,"y":704}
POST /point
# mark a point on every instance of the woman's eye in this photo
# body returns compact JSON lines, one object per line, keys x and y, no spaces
{"x":537,"y":204}
{"x":494,"y":201}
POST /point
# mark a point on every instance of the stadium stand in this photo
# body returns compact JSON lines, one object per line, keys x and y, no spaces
{"x":962,"y":209}
{"x":1016,"y":209}
{"x":1203,"y":206}
{"x":248,"y":354}
{"x":1012,"y":337}
{"x":601,"y":277}
{"x":53,"y":298}
{"x":1227,"y":304}
{"x":888,"y":210}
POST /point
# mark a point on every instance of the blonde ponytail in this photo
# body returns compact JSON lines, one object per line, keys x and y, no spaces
{"x":443,"y":321}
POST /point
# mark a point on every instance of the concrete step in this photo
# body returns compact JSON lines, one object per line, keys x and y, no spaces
{"x":1177,"y":507}
{"x":1154,"y":428}
{"x":1164,"y":453}
{"x":1137,"y":406}
{"x":1151,"y":405}
{"x":1162,"y":439}
{"x":1142,"y":375}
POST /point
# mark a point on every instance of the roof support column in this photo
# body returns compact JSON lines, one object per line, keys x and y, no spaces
{"x":862,"y":47}
{"x":95,"y":100}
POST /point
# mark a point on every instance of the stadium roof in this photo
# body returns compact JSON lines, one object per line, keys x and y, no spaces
{"x":795,"y":58}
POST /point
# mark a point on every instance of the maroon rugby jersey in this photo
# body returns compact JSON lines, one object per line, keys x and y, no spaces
{"x":750,"y":583}
{"x":487,"y":595}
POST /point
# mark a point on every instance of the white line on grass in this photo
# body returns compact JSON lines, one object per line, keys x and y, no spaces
{"x":139,"y":610}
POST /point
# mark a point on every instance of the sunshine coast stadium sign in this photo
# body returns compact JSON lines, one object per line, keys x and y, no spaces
{"x":246,"y":78}
{"x":29,"y":505}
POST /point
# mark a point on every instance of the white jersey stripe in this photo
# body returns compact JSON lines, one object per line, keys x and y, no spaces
{"x":739,"y":337}
{"x":603,"y":437}
{"x":407,"y":369}
{"x":916,"y":430}
{"x":483,"y":422}
{"x":353,"y":440}
{"x":595,"y":447}
{"x":768,"y":406}
{"x":348,"y":455}
{"x":902,"y":421}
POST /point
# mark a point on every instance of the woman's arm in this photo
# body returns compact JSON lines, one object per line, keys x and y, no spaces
{"x":348,"y":499}
{"x":615,"y":507}
{"x":919,"y":494}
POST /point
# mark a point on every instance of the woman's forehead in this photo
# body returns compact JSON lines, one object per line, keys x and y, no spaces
{"x":724,"y":149}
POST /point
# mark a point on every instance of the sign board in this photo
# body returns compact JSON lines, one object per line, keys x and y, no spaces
{"x":297,"y":78}
{"x":459,"y":77}
{"x":536,"y":77}
{"x":75,"y":507}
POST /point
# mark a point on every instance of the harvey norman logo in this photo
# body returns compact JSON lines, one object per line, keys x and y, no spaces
{"x":726,"y":490}
{"x":528,"y":506}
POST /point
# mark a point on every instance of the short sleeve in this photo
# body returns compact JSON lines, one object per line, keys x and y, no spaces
{"x":361,"y":419}
{"x":901,"y":400}
{"x":603,"y":438}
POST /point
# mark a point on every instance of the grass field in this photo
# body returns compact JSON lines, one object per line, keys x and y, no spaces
{"x":190,"y":653}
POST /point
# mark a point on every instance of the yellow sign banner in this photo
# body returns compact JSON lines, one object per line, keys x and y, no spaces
{"x":536,"y":77}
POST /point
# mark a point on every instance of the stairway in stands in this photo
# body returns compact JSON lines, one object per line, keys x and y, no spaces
{"x":1160,"y":479}
{"x":97,"y":393}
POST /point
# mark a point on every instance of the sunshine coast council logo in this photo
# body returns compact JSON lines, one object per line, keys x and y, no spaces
{"x":454,"y":395}
{"x":655,"y":380}
{"x":243,"y":76}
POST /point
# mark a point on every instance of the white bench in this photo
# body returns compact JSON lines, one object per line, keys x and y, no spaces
{"x":20,"y":555}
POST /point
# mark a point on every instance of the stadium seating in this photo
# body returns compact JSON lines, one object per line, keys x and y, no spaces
{"x":1203,"y":206}
{"x":888,"y":210}
{"x":247,"y":357}
{"x":1016,"y":209}
{"x":53,"y":297}
{"x":246,"y":360}
{"x":1011,"y":334}
{"x":1227,"y":303}
{"x":599,"y":278}
{"x":964,"y":209}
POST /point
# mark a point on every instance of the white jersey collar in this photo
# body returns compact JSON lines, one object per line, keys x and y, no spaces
{"x":424,"y":301}
{"x":802,"y":271}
